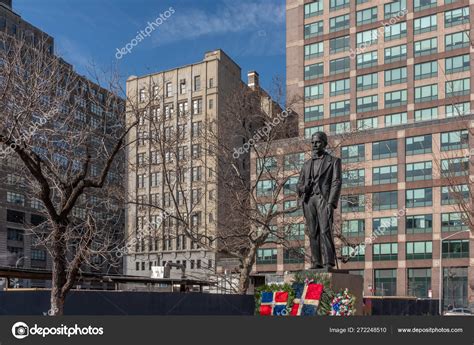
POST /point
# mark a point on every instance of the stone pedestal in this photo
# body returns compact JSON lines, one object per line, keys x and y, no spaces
{"x":340,"y":280}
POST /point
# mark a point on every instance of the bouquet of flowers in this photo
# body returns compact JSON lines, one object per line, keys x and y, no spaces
{"x":343,"y":304}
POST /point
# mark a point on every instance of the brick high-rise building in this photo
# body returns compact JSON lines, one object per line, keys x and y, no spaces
{"x":391,"y":82}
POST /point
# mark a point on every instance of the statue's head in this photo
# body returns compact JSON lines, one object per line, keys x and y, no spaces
{"x":319,"y":141}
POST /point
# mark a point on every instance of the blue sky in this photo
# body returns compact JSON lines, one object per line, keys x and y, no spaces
{"x":88,"y":32}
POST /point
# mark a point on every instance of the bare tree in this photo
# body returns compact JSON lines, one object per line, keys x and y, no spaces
{"x":63,"y":137}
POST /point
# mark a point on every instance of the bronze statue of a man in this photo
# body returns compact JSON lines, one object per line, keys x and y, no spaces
{"x":319,"y":188}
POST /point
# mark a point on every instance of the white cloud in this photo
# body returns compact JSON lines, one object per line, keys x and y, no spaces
{"x":253,"y":17}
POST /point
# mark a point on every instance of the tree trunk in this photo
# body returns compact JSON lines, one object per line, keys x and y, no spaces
{"x":58,"y":278}
{"x":247,"y":264}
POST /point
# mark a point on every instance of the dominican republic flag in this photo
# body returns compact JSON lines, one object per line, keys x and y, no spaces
{"x":274,"y":303}
{"x":307,"y":299}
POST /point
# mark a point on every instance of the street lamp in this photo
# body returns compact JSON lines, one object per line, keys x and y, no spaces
{"x":16,"y":280}
{"x":441,"y":307}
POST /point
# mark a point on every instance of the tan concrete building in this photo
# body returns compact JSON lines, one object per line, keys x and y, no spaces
{"x":184,"y":101}
{"x":391,"y":82}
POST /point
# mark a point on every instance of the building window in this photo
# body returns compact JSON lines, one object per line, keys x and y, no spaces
{"x":427,"y":114}
{"x":182,"y":108}
{"x":458,"y":109}
{"x":457,"y":40}
{"x":16,"y":198}
{"x":419,"y":171}
{"x":292,"y":205}
{"x":453,"y":249}
{"x":314,"y":50}
{"x":385,"y":251}
{"x":313,"y":113}
{"x":367,"y":103}
{"x":455,"y":167}
{"x":419,"y":5}
{"x":366,"y":38}
{"x":395,"y":98}
{"x":197,"y":106}
{"x":426,"y":47}
{"x":313,"y":71}
{"x":290,"y":185}
{"x":454,"y":221}
{"x":339,"y":44}
{"x":354,"y":253}
{"x":314,"y":92}
{"x":395,"y":119}
{"x":340,"y":87}
{"x":368,"y":123}
{"x":353,"y":178}
{"x":335,"y":5}
{"x":313,"y":30}
{"x":395,"y":8}
{"x":293,"y":161}
{"x":266,"y":164}
{"x":456,"y":17}
{"x":265,"y":188}
{"x":353,"y":154}
{"x":15,"y":234}
{"x":420,"y":197}
{"x":395,"y":76}
{"x":142,"y":95}
{"x":459,"y":87}
{"x":385,"y":281}
{"x":340,"y":127}
{"x":293,"y":255}
{"x":196,"y":174}
{"x":419,"y":281}
{"x":426,"y":70}
{"x":353,"y":203}
{"x":38,"y":254}
{"x":384,"y":149}
{"x":367,"y":60}
{"x":426,"y":93}
{"x":309,"y":131}
{"x":339,"y":23}
{"x":182,"y":86}
{"x":367,"y":81}
{"x":197,"y":83}
{"x":15,"y":216}
{"x":385,"y":226}
{"x":457,"y":64}
{"x":396,"y":53}
{"x":196,"y":129}
{"x":339,"y":65}
{"x":266,"y":256}
{"x":419,"y":224}
{"x":353,"y":228}
{"x":419,"y":250}
{"x":295,"y":232}
{"x":424,"y":24}
{"x":384,"y":200}
{"x":169,"y":89}
{"x":383,"y":175}
{"x":455,"y":140}
{"x":395,"y":31}
{"x":455,"y":194}
{"x":367,"y":16}
{"x":418,"y":145}
{"x":341,"y":108}
{"x":313,"y":9}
